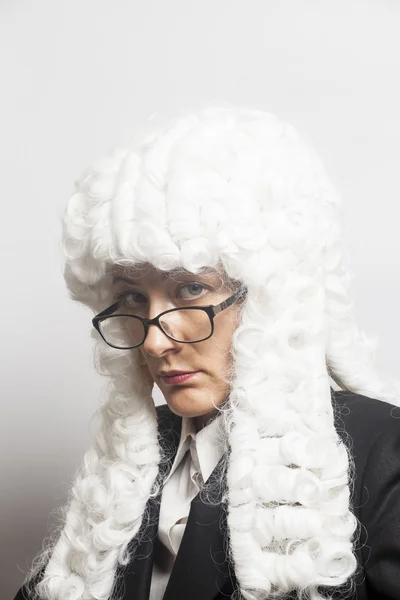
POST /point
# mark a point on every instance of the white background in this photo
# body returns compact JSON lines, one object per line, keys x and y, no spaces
{"x":75,"y":77}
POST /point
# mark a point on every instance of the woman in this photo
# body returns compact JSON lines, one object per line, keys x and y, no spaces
{"x":213,"y":246}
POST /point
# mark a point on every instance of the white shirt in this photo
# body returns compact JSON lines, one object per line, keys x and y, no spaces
{"x":197,"y":456}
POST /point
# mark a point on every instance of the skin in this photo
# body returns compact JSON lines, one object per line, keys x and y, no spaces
{"x":154,"y":292}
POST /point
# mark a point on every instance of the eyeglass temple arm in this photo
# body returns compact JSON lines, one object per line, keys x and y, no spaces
{"x":220,"y":307}
{"x":108,"y":311}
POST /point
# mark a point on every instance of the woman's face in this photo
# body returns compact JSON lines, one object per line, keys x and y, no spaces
{"x":150,"y":292}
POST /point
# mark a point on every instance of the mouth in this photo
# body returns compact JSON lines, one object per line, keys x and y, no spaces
{"x":173,"y":372}
{"x":178,"y":377}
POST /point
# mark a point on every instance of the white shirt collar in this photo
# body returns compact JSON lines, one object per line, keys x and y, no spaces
{"x":206,"y":446}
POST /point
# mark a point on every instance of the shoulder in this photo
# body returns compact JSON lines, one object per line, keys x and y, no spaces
{"x":370,"y":428}
{"x":366,"y":424}
{"x":364,"y":419}
{"x":364,"y":410}
{"x":373,"y":429}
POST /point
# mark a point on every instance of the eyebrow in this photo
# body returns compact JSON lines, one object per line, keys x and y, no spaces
{"x":122,"y":278}
{"x":164,"y":275}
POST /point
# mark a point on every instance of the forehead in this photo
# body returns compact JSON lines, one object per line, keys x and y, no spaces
{"x":150,"y":273}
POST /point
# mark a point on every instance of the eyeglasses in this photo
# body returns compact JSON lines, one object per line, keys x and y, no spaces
{"x":185,"y":325}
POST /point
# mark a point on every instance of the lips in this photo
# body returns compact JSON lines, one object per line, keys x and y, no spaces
{"x":178,"y":379}
{"x":172,"y":373}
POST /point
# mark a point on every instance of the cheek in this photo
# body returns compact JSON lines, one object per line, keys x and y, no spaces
{"x":222,"y":344}
{"x":141,"y":357}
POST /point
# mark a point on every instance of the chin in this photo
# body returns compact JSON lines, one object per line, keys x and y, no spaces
{"x":185,"y":408}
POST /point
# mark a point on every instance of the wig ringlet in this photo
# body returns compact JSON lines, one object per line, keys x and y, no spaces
{"x":237,"y":190}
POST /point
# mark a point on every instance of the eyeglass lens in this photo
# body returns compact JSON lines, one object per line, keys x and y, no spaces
{"x":182,"y":325}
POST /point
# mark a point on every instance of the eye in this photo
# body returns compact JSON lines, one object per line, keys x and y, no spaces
{"x":195,"y":286}
{"x":124,"y":295}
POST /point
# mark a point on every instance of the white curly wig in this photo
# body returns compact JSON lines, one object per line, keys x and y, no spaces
{"x":236,"y":190}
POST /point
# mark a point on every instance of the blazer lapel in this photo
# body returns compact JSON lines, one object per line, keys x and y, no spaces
{"x":201,"y":570}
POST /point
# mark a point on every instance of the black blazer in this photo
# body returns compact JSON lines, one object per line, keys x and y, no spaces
{"x":201,"y":571}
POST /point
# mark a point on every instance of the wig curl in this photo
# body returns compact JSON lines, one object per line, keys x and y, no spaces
{"x":241,"y":192}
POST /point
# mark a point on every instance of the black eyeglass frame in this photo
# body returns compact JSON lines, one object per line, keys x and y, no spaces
{"x":210,"y":309}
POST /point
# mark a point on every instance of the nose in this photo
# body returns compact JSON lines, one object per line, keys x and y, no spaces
{"x":156,"y":342}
